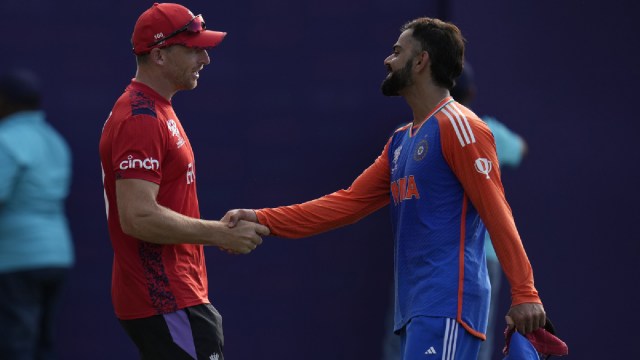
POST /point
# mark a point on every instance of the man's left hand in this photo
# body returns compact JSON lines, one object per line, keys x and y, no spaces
{"x":526,"y":317}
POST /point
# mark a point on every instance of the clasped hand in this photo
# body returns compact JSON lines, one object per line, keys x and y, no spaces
{"x":244,"y":224}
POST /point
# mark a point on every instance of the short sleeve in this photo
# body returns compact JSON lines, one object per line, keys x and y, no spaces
{"x":138,"y":148}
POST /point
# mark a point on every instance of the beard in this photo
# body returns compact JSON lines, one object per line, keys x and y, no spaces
{"x":397,"y":81}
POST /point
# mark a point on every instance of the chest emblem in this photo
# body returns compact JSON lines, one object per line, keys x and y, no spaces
{"x":421,"y":150}
{"x":175,"y":132}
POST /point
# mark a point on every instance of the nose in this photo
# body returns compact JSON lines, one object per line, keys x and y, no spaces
{"x":204,"y":57}
{"x":387,"y":60}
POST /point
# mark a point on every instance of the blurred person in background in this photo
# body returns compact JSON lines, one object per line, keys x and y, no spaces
{"x":511,"y":149}
{"x":36,"y":250}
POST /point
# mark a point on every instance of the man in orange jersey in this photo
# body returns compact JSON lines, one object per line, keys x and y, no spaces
{"x":440,"y":176}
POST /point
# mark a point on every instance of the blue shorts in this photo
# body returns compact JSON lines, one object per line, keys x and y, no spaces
{"x":431,"y":338}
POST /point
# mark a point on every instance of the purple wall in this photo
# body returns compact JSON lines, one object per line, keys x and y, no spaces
{"x":290,"y":109}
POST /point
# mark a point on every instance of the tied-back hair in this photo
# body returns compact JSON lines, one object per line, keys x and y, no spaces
{"x":444,"y":43}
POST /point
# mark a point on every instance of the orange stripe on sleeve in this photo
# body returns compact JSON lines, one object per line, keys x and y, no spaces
{"x":469,"y":149}
{"x":368,"y":193}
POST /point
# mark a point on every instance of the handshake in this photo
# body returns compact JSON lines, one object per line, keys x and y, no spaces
{"x":243,"y":230}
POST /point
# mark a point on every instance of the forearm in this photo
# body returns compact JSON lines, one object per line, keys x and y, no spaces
{"x":161,"y":225}
{"x":496,"y":215}
{"x":326,"y":213}
{"x":368,"y":193}
{"x":514,"y":261}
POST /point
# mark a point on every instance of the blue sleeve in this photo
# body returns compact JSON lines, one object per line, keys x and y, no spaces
{"x":8,"y":172}
{"x":509,"y":146}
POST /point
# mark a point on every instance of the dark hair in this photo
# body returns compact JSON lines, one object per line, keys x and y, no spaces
{"x":21,"y":88}
{"x":464,"y":86}
{"x":445,"y":45}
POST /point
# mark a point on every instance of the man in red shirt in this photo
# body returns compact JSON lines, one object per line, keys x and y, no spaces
{"x":159,"y":287}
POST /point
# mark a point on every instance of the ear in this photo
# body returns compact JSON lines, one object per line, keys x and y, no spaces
{"x":157,"y":56}
{"x":421,"y":61}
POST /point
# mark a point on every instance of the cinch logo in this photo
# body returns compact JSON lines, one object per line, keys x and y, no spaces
{"x":148,"y":163}
{"x":404,"y":189}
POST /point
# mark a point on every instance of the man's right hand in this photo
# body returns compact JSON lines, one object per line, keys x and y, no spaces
{"x":244,"y":237}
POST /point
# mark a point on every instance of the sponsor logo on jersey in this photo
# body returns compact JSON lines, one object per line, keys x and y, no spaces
{"x":404,"y":189}
{"x":173,"y":128}
{"x":190,"y":174}
{"x":421,"y":150}
{"x":396,"y":155}
{"x":483,"y":166}
{"x":130,"y":163}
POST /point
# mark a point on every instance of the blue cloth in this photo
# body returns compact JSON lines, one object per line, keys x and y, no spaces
{"x":426,"y":338}
{"x":521,"y":349}
{"x":35,"y":174}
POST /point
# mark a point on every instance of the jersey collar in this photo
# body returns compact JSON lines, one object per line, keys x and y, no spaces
{"x":414,"y":130}
{"x":136,"y":85}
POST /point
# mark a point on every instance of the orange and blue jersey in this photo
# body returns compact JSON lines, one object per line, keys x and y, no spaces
{"x":442,"y":181}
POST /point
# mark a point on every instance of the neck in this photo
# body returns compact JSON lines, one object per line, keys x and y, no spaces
{"x":423,"y":99}
{"x":156,"y":81}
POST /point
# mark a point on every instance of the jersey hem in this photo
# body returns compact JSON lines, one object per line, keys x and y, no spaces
{"x":150,"y":313}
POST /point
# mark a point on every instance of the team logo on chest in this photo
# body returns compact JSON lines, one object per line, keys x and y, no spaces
{"x":175,"y":132}
{"x":421,"y":150}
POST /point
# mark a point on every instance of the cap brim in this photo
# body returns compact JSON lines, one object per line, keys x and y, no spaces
{"x":205,"y":39}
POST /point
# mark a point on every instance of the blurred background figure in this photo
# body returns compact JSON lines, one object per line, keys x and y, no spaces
{"x":36,"y":250}
{"x":511,"y":148}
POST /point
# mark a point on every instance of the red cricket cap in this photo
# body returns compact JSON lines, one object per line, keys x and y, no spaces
{"x":176,"y":24}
